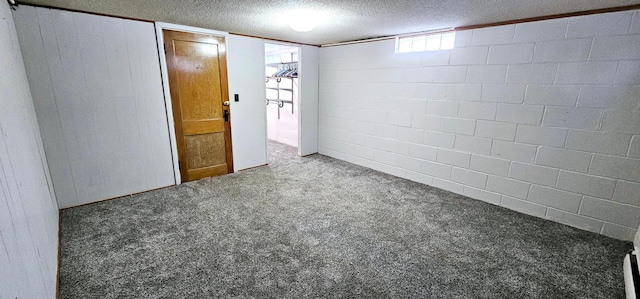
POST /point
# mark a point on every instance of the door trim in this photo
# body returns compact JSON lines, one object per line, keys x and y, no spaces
{"x":307,"y":104}
{"x":165,"y":82}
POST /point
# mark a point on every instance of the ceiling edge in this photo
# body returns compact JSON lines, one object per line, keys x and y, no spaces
{"x":509,"y":22}
{"x":551,"y":17}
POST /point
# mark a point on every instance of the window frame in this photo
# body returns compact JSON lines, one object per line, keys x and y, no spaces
{"x":443,"y":37}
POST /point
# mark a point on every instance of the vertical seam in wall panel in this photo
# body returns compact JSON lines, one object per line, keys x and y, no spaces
{"x":28,"y":223}
{"x":475,"y":125}
{"x":580,"y":205}
{"x":506,"y":75}
{"x":591,"y":162}
{"x":510,"y":166}
{"x":616,"y":73}
{"x":593,"y":39}
{"x":601,"y":223}
{"x":526,"y":198}
{"x":557,"y":179}
{"x":602,"y":227}
{"x":7,"y":191}
{"x":466,"y":75}
{"x":513,"y":34}
{"x":55,"y":100}
{"x":42,"y":278}
{"x":5,"y":248}
{"x":45,"y":169}
{"x":135,"y":102}
{"x":599,"y":128}
{"x":617,"y":69}
{"x":555,"y":77}
{"x":84,"y":79}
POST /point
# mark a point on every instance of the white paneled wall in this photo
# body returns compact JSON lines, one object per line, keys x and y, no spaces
{"x":28,"y":208}
{"x":98,"y":96}
{"x":540,"y":117}
{"x":308,"y":134}
{"x":245,"y":65}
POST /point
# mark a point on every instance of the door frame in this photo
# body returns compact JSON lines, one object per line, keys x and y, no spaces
{"x":165,"y":82}
{"x":298,"y":97}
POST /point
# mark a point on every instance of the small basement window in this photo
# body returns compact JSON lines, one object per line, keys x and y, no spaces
{"x":425,"y":42}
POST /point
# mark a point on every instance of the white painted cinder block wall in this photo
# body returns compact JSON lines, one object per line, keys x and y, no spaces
{"x":28,"y":209}
{"x":540,"y":117}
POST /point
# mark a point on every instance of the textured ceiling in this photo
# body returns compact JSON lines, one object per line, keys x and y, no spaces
{"x":344,"y":20}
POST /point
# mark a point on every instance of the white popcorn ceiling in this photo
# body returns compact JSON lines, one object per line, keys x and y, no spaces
{"x":346,"y":20}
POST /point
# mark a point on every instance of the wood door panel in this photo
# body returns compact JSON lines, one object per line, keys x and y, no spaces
{"x":207,"y":172}
{"x":205,"y":150}
{"x":198,"y":80}
{"x":198,"y":85}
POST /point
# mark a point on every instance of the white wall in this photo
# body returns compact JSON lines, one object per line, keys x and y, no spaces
{"x":28,"y":209}
{"x":98,"y":95}
{"x":245,"y":67}
{"x":308,"y":134}
{"x":541,"y":117}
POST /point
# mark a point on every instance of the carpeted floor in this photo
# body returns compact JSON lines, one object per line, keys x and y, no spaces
{"x":320,"y":227}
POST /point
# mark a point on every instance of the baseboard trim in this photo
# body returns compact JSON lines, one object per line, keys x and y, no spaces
{"x":112,"y":198}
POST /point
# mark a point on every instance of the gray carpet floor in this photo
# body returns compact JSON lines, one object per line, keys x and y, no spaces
{"x":319,"y":227}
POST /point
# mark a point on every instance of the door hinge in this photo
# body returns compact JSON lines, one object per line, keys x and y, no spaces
{"x":165,"y":48}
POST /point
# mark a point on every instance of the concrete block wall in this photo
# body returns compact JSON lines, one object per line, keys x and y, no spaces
{"x":540,"y":117}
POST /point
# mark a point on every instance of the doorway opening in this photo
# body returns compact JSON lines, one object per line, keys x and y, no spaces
{"x":283,"y":94}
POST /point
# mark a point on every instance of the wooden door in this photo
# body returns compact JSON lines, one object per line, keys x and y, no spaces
{"x":199,"y":95}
